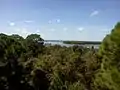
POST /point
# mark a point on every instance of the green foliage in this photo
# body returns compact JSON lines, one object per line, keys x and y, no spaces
{"x":109,"y":79}
{"x":76,"y":86}
{"x":109,"y":75}
{"x":65,"y":66}
{"x":34,"y":37}
{"x":82,"y":42}
{"x":17,"y":37}
{"x":33,"y":66}
{"x":28,"y":64}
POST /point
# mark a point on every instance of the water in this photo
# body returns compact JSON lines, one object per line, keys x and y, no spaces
{"x":69,"y":45}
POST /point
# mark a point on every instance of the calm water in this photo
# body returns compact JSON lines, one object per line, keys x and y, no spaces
{"x":69,"y":45}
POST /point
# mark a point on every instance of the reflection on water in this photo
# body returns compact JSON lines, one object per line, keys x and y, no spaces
{"x":69,"y":45}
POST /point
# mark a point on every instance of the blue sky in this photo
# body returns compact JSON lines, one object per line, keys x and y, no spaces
{"x":59,"y":19}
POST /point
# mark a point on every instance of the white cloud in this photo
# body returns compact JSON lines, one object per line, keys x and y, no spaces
{"x":58,"y":20}
{"x":94,"y":13}
{"x":80,"y":29}
{"x":11,"y":23}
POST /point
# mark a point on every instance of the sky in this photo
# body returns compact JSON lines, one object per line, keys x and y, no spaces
{"x":86,"y":20}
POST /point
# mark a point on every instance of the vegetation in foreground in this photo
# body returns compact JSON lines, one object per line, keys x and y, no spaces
{"x":26,"y":64}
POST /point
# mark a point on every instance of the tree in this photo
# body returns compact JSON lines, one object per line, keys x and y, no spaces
{"x":109,"y":74}
{"x":34,"y":37}
{"x":16,"y":36}
{"x":34,"y":45}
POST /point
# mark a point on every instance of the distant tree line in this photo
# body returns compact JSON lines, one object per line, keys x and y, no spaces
{"x":82,"y":42}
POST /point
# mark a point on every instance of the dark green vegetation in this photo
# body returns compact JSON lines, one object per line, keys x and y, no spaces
{"x":82,"y":42}
{"x":26,"y":64}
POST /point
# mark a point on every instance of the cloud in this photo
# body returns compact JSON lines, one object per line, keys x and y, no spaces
{"x":94,"y":13}
{"x":80,"y":29}
{"x":58,"y":20}
{"x":11,"y":23}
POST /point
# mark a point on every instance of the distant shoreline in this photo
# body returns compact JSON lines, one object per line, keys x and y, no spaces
{"x":74,"y":42}
{"x":82,"y":42}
